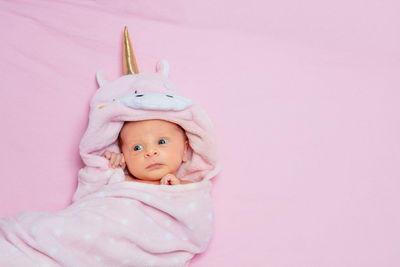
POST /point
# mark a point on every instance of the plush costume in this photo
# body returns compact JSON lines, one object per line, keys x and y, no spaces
{"x":113,"y":222}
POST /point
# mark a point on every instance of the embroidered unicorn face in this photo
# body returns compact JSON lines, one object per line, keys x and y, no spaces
{"x":148,"y":91}
{"x":155,"y":101}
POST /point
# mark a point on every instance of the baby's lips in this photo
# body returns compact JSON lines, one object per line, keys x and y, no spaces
{"x":153,"y":165}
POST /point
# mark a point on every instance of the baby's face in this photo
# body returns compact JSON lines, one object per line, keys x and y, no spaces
{"x":153,"y":148}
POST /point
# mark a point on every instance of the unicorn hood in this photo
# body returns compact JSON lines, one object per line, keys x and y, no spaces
{"x":136,"y":97}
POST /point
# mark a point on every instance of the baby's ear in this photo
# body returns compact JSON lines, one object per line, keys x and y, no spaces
{"x":101,"y":81}
{"x":163,"y":67}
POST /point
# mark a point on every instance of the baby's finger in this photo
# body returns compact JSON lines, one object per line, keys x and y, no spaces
{"x":107,"y":154}
{"x":118,"y":160}
{"x":112,"y":160}
{"x":165,"y":180}
{"x":121,"y":159}
{"x":123,"y":165}
{"x":175,"y":181}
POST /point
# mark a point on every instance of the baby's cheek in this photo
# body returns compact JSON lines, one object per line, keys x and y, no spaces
{"x":176,"y":164}
{"x":132,"y":164}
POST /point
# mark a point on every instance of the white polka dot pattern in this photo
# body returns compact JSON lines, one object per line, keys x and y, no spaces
{"x":117,"y":227}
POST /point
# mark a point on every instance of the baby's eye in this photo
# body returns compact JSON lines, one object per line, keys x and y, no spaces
{"x":162,"y":141}
{"x":138,"y":147}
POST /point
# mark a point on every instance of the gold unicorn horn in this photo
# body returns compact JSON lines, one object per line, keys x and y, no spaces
{"x":130,"y":66}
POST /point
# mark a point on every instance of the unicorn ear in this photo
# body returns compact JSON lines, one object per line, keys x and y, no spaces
{"x":163,"y":67}
{"x":100,"y":78}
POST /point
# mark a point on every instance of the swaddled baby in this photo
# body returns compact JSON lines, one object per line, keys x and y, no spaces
{"x":141,"y":123}
{"x":152,"y":150}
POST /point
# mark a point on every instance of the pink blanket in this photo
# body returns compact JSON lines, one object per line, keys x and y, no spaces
{"x":123,"y":224}
{"x":113,"y":222}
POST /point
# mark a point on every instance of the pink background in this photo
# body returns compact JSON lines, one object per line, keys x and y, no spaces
{"x":304,"y":96}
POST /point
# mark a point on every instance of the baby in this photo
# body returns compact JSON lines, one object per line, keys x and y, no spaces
{"x":152,"y":150}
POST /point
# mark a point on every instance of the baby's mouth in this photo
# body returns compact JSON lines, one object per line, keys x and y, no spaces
{"x":154,"y":166}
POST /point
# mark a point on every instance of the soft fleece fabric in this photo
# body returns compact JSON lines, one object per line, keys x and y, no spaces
{"x":113,"y":222}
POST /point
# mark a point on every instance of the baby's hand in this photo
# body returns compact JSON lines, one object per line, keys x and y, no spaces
{"x":170,"y":179}
{"x":116,"y":159}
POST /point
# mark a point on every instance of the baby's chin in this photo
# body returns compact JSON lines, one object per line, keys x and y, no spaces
{"x":153,"y":175}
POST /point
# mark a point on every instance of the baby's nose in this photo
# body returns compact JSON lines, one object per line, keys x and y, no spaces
{"x":151,"y":153}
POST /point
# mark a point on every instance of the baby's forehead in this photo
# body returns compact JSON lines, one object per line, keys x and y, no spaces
{"x":146,"y":127}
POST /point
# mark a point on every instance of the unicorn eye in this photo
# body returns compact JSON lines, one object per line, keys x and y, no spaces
{"x":138,"y":147}
{"x":162,"y":141}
